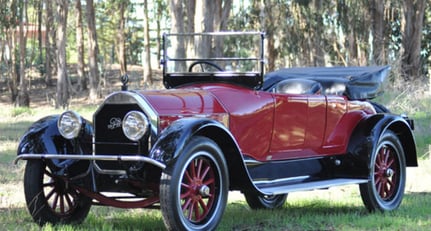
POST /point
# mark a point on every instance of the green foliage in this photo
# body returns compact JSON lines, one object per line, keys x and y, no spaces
{"x":20,"y":111}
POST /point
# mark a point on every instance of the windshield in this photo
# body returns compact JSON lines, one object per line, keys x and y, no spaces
{"x":229,"y":54}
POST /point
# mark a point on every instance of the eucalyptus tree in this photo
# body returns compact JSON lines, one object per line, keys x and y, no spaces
{"x":23,"y":94}
{"x":62,"y":98}
{"x":8,"y":22}
{"x":93,"y":51}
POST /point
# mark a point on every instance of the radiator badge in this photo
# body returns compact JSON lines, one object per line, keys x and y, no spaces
{"x":114,"y":123}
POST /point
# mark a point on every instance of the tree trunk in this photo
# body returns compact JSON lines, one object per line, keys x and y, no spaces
{"x":378,"y":30}
{"x":93,"y":51}
{"x":48,"y":32}
{"x":39,"y":36}
{"x":177,"y":26}
{"x":159,"y":29}
{"x":62,"y":83}
{"x":23,"y":96}
{"x":148,"y":78}
{"x":82,"y":83}
{"x":221,"y":18}
{"x":412,"y":36}
{"x":121,"y":40}
{"x":14,"y":77}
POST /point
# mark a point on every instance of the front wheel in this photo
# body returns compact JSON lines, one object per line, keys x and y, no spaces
{"x":385,"y":190}
{"x":193,"y":190}
{"x":50,"y":199}
{"x":257,"y":201}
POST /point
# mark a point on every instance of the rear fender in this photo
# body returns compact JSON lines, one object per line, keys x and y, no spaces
{"x":43,"y":137}
{"x":172,"y":140}
{"x":366,"y":135}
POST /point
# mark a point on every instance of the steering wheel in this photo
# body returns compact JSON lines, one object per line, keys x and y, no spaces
{"x":202,"y":62}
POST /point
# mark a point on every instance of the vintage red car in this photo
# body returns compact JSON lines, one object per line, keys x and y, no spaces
{"x":220,"y":125}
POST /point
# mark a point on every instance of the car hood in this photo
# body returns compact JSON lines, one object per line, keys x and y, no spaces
{"x":188,"y":101}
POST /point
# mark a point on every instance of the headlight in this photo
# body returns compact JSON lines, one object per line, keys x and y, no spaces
{"x":135,"y":125}
{"x":69,"y":124}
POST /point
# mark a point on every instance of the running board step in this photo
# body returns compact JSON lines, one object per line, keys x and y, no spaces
{"x":278,"y":188}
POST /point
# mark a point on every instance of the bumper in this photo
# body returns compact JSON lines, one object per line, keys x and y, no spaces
{"x":118,"y":158}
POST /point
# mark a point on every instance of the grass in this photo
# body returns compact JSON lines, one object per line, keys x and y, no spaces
{"x":333,"y":209}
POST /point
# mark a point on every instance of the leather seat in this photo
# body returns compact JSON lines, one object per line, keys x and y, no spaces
{"x":298,"y":86}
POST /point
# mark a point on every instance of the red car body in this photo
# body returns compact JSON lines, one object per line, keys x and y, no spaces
{"x":185,"y":147}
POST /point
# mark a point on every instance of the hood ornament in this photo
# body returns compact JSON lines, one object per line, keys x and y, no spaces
{"x":124,"y":79}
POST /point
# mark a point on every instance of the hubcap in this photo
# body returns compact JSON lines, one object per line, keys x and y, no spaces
{"x":198,"y":190}
{"x":389,"y":172}
{"x":204,"y":191}
{"x":386,"y":177}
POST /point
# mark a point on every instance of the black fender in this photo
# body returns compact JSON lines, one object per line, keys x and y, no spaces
{"x":367,"y":133}
{"x":171,"y":142}
{"x":43,"y":137}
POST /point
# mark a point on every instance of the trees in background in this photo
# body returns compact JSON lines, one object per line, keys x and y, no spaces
{"x":62,"y":98}
{"x":298,"y":33}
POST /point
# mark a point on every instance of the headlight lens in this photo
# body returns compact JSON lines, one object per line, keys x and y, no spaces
{"x":135,"y":125}
{"x":69,"y":124}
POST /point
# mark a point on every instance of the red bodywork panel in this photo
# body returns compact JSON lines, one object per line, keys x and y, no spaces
{"x":267,"y":126}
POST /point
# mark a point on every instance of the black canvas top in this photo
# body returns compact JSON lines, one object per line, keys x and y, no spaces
{"x":353,"y":82}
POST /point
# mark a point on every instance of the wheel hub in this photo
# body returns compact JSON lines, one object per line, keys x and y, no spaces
{"x":204,"y":191}
{"x":389,"y":172}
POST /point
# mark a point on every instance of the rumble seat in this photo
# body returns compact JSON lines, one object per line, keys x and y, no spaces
{"x":298,"y":86}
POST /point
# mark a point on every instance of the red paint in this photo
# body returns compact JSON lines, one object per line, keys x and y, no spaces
{"x":266,"y":126}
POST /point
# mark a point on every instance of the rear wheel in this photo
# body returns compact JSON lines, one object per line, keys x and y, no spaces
{"x":50,"y":199}
{"x":257,"y":201}
{"x":385,"y":190}
{"x":193,"y":191}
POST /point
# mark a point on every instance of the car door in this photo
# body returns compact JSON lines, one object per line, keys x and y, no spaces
{"x":299,"y":126}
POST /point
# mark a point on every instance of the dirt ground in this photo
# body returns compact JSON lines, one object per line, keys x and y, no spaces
{"x":43,"y":95}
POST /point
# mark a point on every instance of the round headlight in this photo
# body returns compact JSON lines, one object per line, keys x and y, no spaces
{"x":69,"y":124}
{"x":135,"y":125}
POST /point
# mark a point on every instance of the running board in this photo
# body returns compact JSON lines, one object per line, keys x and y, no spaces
{"x":279,"y":188}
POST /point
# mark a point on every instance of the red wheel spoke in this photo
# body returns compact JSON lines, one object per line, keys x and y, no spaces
{"x":188,"y":177}
{"x":199,"y":168}
{"x":389,"y":164}
{"x":186,"y":204}
{"x":186,"y":194}
{"x":62,"y":204}
{"x":49,"y":184}
{"x":190,"y":210}
{"x":197,"y":212}
{"x":49,"y":195}
{"x":69,"y":201}
{"x":48,"y":173}
{"x":192,"y":169}
{"x":203,"y":205}
{"x":205,"y":172}
{"x":55,"y":202}
{"x":209,"y":181}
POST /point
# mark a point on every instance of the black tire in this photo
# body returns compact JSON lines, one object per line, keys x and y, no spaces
{"x":258,"y":201}
{"x":49,"y":199}
{"x":194,"y":189}
{"x":385,"y":190}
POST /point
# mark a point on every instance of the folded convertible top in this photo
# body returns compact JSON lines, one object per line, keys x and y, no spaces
{"x":353,"y":82}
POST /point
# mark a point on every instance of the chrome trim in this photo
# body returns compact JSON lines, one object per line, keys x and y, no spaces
{"x":128,"y":97}
{"x":108,"y":171}
{"x":123,"y":97}
{"x":29,"y":156}
{"x":289,"y":179}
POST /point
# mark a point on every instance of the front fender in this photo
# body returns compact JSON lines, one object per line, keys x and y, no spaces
{"x":367,"y":133}
{"x":43,"y":137}
{"x":172,"y":140}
